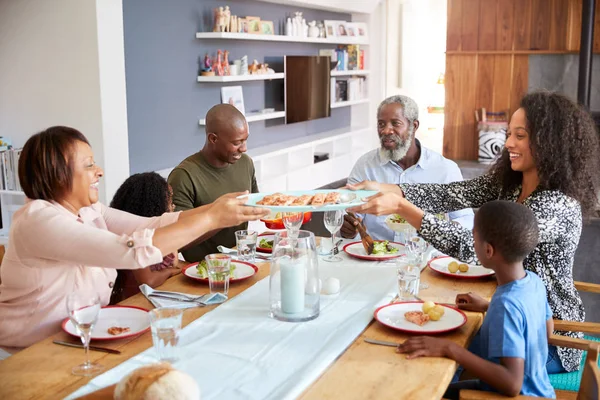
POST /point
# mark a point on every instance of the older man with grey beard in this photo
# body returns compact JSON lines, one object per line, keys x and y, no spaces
{"x":401,"y":159}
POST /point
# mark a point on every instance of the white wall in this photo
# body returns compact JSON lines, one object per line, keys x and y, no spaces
{"x":61,"y":63}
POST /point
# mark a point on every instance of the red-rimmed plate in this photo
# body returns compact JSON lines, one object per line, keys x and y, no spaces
{"x":243,"y":270}
{"x":440,"y":264}
{"x":357,"y":250}
{"x":134,"y":318}
{"x":269,"y":237}
{"x":392,"y":316}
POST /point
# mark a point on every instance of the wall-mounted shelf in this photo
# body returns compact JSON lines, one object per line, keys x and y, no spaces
{"x":279,"y":38}
{"x":252,"y":117}
{"x":241,"y":78}
{"x":351,"y":73}
{"x":349,"y":103}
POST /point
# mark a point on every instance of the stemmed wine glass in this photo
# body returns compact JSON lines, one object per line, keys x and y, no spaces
{"x":292,"y":222}
{"x":333,"y":222}
{"x":83,"y":309}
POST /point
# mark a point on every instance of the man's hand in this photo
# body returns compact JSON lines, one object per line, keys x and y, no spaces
{"x":472,"y":302}
{"x":349,"y":229}
{"x":425,"y":346}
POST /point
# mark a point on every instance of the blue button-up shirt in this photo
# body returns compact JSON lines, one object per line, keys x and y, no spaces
{"x":432,"y":167}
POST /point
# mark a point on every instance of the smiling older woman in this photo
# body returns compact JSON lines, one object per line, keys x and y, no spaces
{"x":64,"y":240}
{"x":551,"y":165}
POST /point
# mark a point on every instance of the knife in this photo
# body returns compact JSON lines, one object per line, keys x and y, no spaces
{"x":382,"y":342}
{"x":80,"y":346}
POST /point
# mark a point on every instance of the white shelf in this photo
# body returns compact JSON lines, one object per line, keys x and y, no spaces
{"x":278,"y":38}
{"x":349,"y":103}
{"x":15,"y":192}
{"x":241,"y":78}
{"x":350,"y":73}
{"x":257,"y":117}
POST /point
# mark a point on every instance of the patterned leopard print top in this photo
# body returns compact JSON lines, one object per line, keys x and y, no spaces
{"x":559,"y":219}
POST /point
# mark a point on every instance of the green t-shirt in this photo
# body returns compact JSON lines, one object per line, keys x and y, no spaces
{"x":195,"y":183}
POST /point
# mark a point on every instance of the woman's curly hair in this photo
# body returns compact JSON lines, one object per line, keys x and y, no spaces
{"x":146,"y":194}
{"x":565,"y":146}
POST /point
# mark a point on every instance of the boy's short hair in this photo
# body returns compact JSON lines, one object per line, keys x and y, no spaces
{"x":511,"y":228}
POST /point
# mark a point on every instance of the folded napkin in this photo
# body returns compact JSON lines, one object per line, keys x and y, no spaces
{"x":203,"y":300}
{"x":233,"y":253}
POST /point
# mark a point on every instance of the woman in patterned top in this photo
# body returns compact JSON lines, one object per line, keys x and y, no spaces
{"x":551,"y":164}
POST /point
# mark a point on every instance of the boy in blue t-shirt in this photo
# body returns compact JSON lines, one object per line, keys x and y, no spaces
{"x":509,"y":353}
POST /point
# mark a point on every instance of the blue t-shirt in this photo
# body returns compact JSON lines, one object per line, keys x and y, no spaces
{"x":515,"y":326}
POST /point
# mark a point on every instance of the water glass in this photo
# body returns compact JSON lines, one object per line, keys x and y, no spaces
{"x":417,"y":247}
{"x":333,"y":222}
{"x":83,"y":309}
{"x":246,"y":245}
{"x":219,"y":269}
{"x":292,"y":222}
{"x":165,"y":324}
{"x":408,"y":278}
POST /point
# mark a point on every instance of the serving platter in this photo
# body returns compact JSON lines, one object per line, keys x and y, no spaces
{"x":348,"y":198}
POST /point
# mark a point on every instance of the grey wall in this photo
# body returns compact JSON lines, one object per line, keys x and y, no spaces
{"x":560,"y":73}
{"x":164,"y":100}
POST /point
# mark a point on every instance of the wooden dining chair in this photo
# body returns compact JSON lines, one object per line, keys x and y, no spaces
{"x":589,"y":388}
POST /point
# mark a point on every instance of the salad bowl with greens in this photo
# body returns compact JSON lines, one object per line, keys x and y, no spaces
{"x":382,"y":250}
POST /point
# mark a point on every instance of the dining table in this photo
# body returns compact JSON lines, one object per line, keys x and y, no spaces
{"x":362,"y":371}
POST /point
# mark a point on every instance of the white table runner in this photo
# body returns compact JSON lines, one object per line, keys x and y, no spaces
{"x":237,"y":352}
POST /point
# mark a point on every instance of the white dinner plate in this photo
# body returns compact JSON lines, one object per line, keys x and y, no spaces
{"x":243,"y":270}
{"x":357,"y":250}
{"x":440,"y":264}
{"x":268,"y":237}
{"x":392,"y":316}
{"x":134,"y":318}
{"x":358,"y":196}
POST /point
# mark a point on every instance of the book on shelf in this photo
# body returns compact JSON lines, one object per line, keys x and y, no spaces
{"x":350,"y":89}
{"x":353,"y":53}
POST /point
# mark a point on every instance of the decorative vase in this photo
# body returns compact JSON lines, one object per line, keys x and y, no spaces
{"x":313,"y":30}
{"x":294,"y":292}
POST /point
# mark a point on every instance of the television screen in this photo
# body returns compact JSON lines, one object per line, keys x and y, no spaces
{"x":307,"y":88}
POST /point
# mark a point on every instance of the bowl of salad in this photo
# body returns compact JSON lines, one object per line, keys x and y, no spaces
{"x":396,"y":223}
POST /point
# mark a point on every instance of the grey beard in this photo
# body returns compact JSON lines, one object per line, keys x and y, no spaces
{"x":395,"y":155}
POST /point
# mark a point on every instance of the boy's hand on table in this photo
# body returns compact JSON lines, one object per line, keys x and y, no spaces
{"x":425,"y":346}
{"x":472,"y":302}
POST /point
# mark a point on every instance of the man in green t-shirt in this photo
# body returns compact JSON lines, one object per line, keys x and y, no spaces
{"x":220,"y":167}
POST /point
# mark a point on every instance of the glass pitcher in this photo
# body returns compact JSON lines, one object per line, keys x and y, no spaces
{"x":294,"y":282}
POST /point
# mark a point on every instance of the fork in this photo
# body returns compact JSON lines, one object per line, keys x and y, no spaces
{"x":177,"y":297}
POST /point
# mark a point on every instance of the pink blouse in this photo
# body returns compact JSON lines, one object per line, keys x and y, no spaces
{"x":52,"y":252}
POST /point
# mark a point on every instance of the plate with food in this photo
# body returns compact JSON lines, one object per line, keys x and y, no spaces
{"x":420,"y":317}
{"x":382,"y":250}
{"x":451,"y":267}
{"x":265,"y":243}
{"x":115,"y":322}
{"x":238,"y":271}
{"x":309,"y":200}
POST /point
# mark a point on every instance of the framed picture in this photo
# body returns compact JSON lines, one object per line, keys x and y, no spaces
{"x":361,"y":29}
{"x":330,"y":28}
{"x":340,"y":29}
{"x":233,"y":95}
{"x":242,"y":25}
{"x":351,"y":29}
{"x":266,"y":28}
{"x":253,"y":24}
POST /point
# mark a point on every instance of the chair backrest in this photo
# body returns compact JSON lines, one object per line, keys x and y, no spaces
{"x":589,"y":388}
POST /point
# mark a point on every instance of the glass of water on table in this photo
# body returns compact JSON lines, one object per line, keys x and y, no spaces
{"x":246,"y":245}
{"x":166,"y":324}
{"x":408,"y":278}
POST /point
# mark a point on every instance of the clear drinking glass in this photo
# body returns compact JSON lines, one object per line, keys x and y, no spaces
{"x":417,"y":247}
{"x":246,"y":245}
{"x":165,"y":324}
{"x":292,"y":222}
{"x":333,"y":222}
{"x":83,"y":309}
{"x":408,"y":278}
{"x":219,"y":269}
{"x":294,"y":293}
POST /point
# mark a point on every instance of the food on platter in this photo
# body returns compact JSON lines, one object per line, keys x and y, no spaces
{"x":463,"y":267}
{"x":332,"y":197}
{"x":203,"y":270}
{"x":265,"y":244}
{"x":384,"y":247}
{"x":158,"y":382}
{"x":318,"y":199}
{"x":416,"y":317}
{"x":303,"y":200}
{"x":116,"y":330}
{"x":453,"y":267}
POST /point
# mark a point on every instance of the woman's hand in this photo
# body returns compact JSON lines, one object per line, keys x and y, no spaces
{"x":380,"y":204}
{"x":372,"y":185}
{"x":472,"y":302}
{"x":228,"y":210}
{"x":425,"y":346}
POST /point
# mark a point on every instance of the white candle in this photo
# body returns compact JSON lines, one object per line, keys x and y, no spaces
{"x":292,"y":285}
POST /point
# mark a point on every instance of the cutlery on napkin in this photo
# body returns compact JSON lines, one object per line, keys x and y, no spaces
{"x":233,"y":252}
{"x":80,"y":346}
{"x":160,"y":298}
